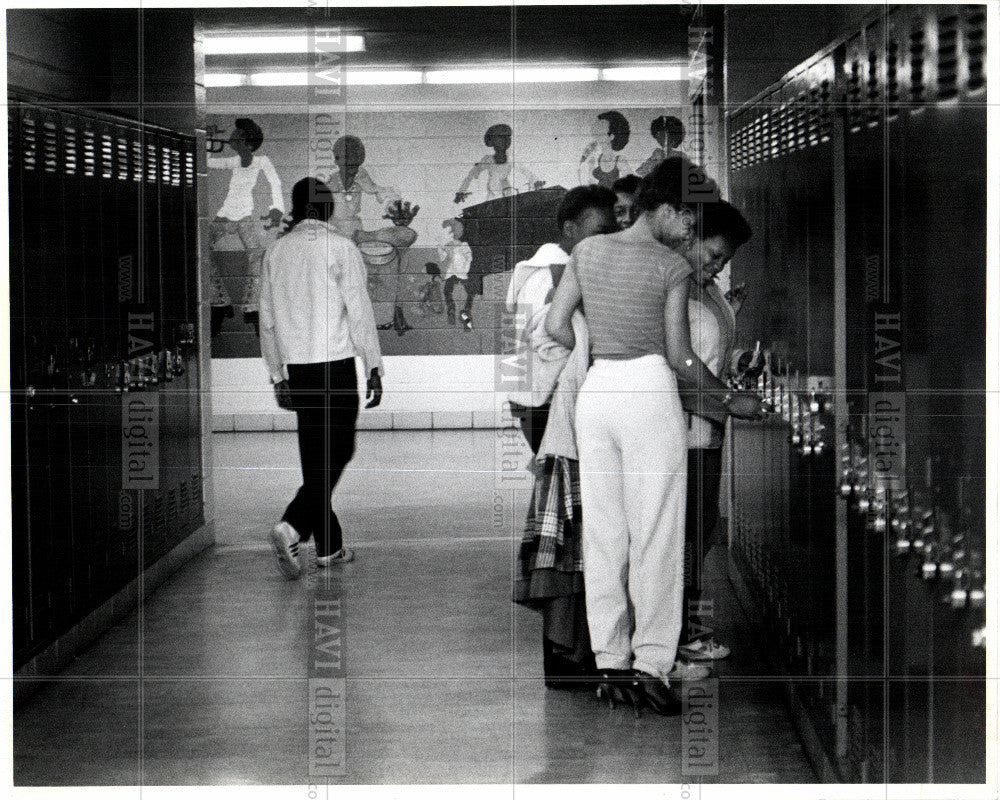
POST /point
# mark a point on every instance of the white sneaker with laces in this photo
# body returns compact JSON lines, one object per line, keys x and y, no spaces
{"x":704,"y":650}
{"x":342,"y":556}
{"x":285,"y":540}
{"x":683,"y":671}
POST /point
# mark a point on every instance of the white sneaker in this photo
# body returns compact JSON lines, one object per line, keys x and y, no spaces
{"x":704,"y":650}
{"x":285,"y":540}
{"x":683,"y":671}
{"x":342,"y":556}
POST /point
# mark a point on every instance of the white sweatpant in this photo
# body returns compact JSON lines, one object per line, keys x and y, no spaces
{"x":632,"y":443}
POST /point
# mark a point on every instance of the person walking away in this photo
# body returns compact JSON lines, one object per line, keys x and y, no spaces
{"x":316,"y":317}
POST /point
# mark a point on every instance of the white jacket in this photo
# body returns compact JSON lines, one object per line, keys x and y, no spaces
{"x":527,"y":300}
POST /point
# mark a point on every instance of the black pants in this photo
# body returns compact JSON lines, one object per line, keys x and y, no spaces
{"x":532,"y":421}
{"x":449,"y":289}
{"x":325,"y":399}
{"x":704,"y":473}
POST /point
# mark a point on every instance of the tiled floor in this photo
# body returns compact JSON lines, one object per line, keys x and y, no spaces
{"x":208,"y":684}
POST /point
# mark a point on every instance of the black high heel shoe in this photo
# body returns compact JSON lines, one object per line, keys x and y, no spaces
{"x":620,"y":687}
{"x":657,"y":695}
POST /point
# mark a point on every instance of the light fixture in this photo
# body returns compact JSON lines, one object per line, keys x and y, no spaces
{"x":349,"y":78}
{"x":555,"y":74}
{"x":460,"y":75}
{"x":513,"y":74}
{"x":279,"y":79}
{"x":298,"y":43}
{"x":382,"y":77}
{"x":469,"y":75}
{"x":646,"y":73}
{"x":213,"y":79}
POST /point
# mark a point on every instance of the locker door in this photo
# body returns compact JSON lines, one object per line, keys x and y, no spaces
{"x":191,"y":379}
{"x":77,"y":398}
{"x":173,"y":442}
{"x":21,"y":523}
{"x":124,"y":195}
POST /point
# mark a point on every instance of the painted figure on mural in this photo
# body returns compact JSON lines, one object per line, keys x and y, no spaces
{"x":499,"y":169}
{"x":456,"y":261}
{"x":236,"y":216}
{"x":350,"y":182}
{"x":669,"y":134}
{"x":383,"y":249}
{"x":602,"y":161}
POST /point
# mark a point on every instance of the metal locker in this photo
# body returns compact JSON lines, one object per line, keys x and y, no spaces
{"x":886,"y":180}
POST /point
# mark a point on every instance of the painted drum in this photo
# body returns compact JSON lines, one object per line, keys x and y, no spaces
{"x":377,"y":253}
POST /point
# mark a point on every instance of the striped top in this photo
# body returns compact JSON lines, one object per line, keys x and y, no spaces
{"x":624,"y":279}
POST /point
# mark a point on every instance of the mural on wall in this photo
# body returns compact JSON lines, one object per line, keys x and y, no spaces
{"x":438,"y":257}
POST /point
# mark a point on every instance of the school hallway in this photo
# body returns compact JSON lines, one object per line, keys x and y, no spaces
{"x":207,"y":682}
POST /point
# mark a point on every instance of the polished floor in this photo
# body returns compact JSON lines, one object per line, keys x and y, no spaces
{"x":207,"y":683}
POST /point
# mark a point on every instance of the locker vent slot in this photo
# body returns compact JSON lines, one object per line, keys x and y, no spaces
{"x":89,"y":153}
{"x":50,"y":147}
{"x":975,"y":47}
{"x":107,"y":156}
{"x":892,"y":79}
{"x":195,"y":492}
{"x":873,"y":96}
{"x":184,"y":500}
{"x":918,"y":87}
{"x":189,"y":169}
{"x":69,"y":144}
{"x":802,"y":116}
{"x":29,"y":143}
{"x":151,"y":162}
{"x":825,"y":114}
{"x":165,"y":166}
{"x":137,"y":165}
{"x":854,"y":110}
{"x":948,"y":57}
{"x":175,"y":167}
{"x":122,"y":158}
{"x":172,"y":508}
{"x":11,"y":139}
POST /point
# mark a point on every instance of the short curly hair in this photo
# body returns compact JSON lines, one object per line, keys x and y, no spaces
{"x":252,"y":134}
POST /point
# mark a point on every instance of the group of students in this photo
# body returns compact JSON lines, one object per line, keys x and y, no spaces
{"x":626,"y":331}
{"x":625,"y":328}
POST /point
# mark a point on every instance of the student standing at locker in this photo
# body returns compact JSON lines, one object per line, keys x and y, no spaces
{"x":718,"y":232}
{"x":315,"y":317}
{"x":632,"y":437}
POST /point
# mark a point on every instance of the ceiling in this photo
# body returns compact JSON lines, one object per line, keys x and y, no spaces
{"x":456,"y":35}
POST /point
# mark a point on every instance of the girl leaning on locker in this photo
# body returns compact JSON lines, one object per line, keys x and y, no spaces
{"x":632,"y":436}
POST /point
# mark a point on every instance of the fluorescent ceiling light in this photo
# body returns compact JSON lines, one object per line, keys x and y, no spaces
{"x":661,"y":73}
{"x":469,"y":75}
{"x":279,"y":79}
{"x":252,"y":45}
{"x":555,"y":74}
{"x":350,"y":78}
{"x":382,"y":77}
{"x":515,"y":74}
{"x":223,"y":79}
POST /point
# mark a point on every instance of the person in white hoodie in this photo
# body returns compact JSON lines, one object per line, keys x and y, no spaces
{"x":583,"y":212}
